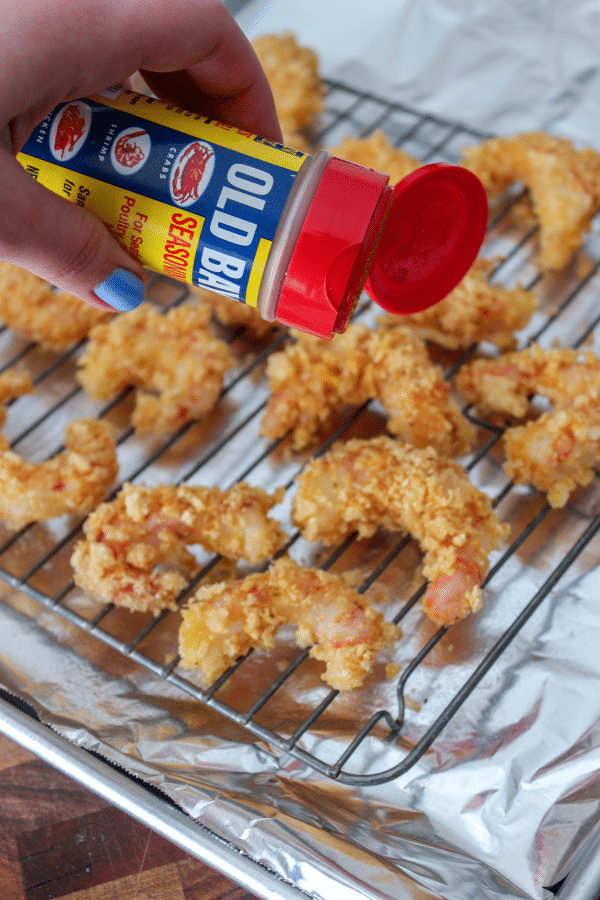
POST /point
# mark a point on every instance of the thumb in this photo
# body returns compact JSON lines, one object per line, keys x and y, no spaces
{"x":64,"y":243}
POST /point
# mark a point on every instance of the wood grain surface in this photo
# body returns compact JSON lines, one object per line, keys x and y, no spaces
{"x":57,"y":839}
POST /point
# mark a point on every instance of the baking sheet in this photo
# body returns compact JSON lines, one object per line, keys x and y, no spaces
{"x":500,"y":803}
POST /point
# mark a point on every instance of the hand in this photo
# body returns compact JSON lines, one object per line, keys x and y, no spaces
{"x":191,"y":52}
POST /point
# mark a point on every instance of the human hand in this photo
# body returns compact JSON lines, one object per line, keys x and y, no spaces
{"x":192,"y":53}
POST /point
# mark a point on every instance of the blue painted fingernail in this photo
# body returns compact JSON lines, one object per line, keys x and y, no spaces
{"x":122,"y":290}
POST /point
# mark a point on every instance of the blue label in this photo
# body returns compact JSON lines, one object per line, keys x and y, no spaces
{"x":240,"y":197}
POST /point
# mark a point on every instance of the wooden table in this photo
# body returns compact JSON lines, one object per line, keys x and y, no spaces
{"x":57,"y":839}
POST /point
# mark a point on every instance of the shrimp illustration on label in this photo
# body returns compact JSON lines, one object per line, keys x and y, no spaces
{"x":70,"y":127}
{"x":192,"y":170}
{"x":130,"y":150}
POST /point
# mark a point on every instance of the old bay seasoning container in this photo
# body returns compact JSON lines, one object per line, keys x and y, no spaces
{"x":295,"y":235}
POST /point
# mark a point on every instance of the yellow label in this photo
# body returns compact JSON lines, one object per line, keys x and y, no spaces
{"x":256,"y":273}
{"x":160,"y":236}
{"x":172,"y":116}
{"x":187,"y":196}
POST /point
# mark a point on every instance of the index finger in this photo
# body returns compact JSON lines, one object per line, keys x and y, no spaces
{"x":228,"y":83}
{"x":193,"y":53}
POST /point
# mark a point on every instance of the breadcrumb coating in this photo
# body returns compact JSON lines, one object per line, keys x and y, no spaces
{"x":474,"y":311}
{"x":364,"y":485}
{"x":33,"y":308}
{"x":376,"y":152}
{"x":73,"y":481}
{"x":507,"y":383}
{"x":313,"y":378}
{"x":293,"y":73}
{"x":563,"y":185}
{"x":557,"y":451}
{"x":173,"y":360}
{"x":135,"y":549}
{"x":232,"y":312}
{"x":223,"y":621}
{"x":14,"y":382}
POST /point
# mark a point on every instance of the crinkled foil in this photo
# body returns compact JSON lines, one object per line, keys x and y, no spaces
{"x":498,"y":65}
{"x":499,"y":804}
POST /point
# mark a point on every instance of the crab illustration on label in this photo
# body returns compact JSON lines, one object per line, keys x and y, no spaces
{"x":192,"y":170}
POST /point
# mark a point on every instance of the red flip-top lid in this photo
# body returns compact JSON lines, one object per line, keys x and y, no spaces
{"x":415,"y":242}
{"x":433,"y":232}
{"x":330,"y":260}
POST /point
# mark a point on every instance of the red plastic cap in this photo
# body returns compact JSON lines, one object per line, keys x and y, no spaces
{"x":432,"y":235}
{"x":327,"y":268}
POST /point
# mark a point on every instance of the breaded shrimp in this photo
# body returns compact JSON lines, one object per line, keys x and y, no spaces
{"x":32,"y":307}
{"x":173,"y":360}
{"x":223,"y":621}
{"x":556,"y":452}
{"x":474,"y":311}
{"x":135,"y":549}
{"x":508,"y":382}
{"x":14,"y":382}
{"x":563,"y":183}
{"x":376,"y":152}
{"x":232,"y":312}
{"x":364,"y":485}
{"x":313,"y":378}
{"x":293,"y":73}
{"x":73,"y":481}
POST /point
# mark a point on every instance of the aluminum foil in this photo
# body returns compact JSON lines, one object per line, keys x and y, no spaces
{"x":497,"y":809}
{"x":498,"y":65}
{"x":503,"y":799}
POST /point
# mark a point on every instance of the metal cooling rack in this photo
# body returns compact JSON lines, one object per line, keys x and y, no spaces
{"x":45,"y":576}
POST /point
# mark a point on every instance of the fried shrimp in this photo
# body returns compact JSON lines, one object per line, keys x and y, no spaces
{"x":376,"y":152}
{"x":135,"y":553}
{"x":14,"y":382}
{"x":232,"y":312}
{"x":33,"y":308}
{"x":223,"y":621}
{"x":555,"y":452}
{"x":507,"y":383}
{"x":73,"y":481}
{"x":563,"y":184}
{"x":474,"y":311}
{"x":173,"y":360}
{"x":312,"y":378}
{"x":364,"y":485}
{"x":293,"y":73}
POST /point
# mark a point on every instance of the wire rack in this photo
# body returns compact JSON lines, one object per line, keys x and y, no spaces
{"x":227,"y":447}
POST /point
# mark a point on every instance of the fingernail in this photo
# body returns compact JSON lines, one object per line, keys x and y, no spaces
{"x":122,"y":290}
